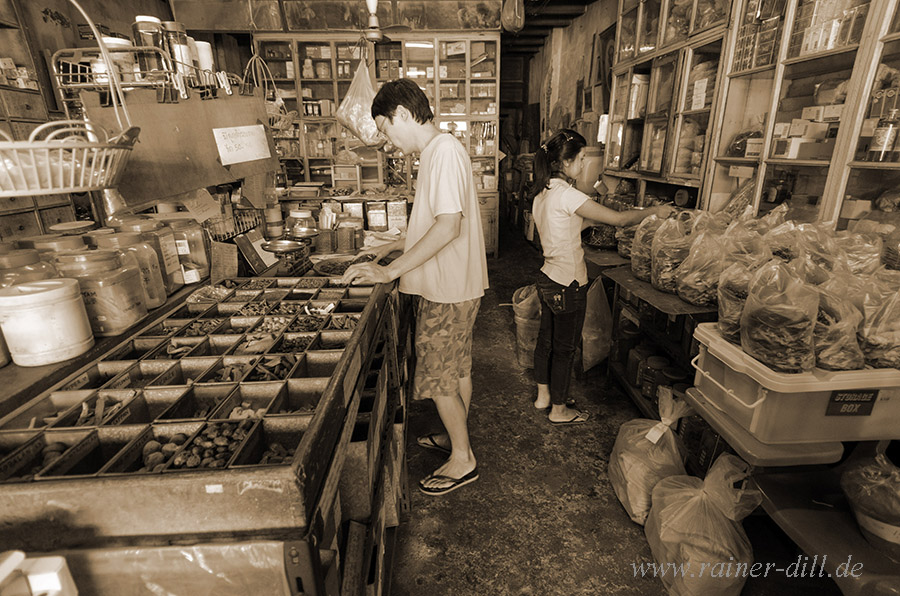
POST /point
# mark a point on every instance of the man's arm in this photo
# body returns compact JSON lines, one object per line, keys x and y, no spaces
{"x":445,"y":230}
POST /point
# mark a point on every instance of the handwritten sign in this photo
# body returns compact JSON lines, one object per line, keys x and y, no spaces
{"x":201,"y":205}
{"x":239,"y":144}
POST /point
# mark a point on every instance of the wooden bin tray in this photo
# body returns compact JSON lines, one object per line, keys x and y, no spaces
{"x":97,"y":375}
{"x":36,"y":454}
{"x":98,"y":408}
{"x":273,"y":442}
{"x":133,"y":458}
{"x":274,"y":366}
{"x":197,"y":402}
{"x":136,"y":348}
{"x":184,"y":371}
{"x":251,"y":401}
{"x":90,"y":455}
{"x":40,"y":413}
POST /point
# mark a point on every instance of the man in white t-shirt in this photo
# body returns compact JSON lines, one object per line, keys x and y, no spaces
{"x":443,"y":265}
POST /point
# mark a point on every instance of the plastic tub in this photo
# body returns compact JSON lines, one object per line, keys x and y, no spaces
{"x":812,"y":407}
{"x":45,"y":322}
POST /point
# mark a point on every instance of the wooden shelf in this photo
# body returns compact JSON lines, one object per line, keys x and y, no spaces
{"x":643,"y":404}
{"x":812,"y":510}
{"x":821,"y":63}
{"x":32,"y":91}
{"x":739,"y":160}
{"x":696,"y":112}
{"x":753,"y":451}
{"x":752,"y":71}
{"x":874,"y":165}
{"x":800,"y":163}
{"x":667,"y":303}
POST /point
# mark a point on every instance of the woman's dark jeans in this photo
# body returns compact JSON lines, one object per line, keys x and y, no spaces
{"x":559,"y":335}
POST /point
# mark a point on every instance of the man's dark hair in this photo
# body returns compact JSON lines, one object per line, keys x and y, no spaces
{"x":402,"y":92}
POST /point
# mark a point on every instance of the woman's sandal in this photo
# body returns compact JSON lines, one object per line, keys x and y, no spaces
{"x":579,"y":418}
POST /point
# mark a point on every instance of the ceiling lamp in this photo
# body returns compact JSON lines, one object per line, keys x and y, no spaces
{"x":373,"y":31}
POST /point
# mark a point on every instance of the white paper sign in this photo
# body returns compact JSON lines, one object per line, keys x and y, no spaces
{"x":238,"y":144}
{"x":698,"y":98}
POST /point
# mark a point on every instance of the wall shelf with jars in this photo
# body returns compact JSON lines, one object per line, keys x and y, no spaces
{"x":458,"y":72}
{"x":807,"y":109}
{"x":664,"y":94}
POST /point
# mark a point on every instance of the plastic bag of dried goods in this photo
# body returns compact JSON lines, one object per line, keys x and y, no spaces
{"x":355,"y":111}
{"x":873,"y":490}
{"x":836,"y":345}
{"x":645,"y":452}
{"x":641,"y":246}
{"x":732,"y":295}
{"x":697,"y":278}
{"x":779,"y":319}
{"x":879,"y":336}
{"x":624,"y":240}
{"x":784,"y":241}
{"x":861,"y":252}
{"x":696,"y":524}
{"x":671,"y":246}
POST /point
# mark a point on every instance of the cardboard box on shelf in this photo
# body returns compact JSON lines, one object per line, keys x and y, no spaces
{"x":833,"y":113}
{"x":753,"y":148}
{"x":7,"y":64}
{"x":376,"y":216}
{"x":396,"y":214}
{"x":782,"y":130}
{"x":810,"y":130}
{"x":813,"y":113}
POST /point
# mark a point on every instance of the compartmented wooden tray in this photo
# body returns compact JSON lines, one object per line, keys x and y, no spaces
{"x":219,"y":420}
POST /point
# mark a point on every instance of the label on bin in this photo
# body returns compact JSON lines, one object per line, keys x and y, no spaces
{"x":852,"y":403}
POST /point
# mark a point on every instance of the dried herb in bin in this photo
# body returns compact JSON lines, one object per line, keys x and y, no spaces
{"x":272,"y":368}
{"x":296,"y":344}
{"x":214,"y":446}
{"x":255,"y":343}
{"x":308,"y":323}
{"x":276,"y":454}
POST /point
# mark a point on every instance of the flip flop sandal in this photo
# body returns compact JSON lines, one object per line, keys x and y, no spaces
{"x":455,"y":483}
{"x":570,"y":403}
{"x":428,"y":442}
{"x":579,"y":418}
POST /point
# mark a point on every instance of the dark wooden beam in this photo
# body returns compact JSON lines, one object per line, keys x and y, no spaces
{"x":574,"y":10}
{"x":547,"y":22}
{"x":529,"y":32}
{"x":522,"y":43}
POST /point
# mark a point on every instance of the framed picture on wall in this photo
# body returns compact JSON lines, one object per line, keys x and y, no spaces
{"x":604,"y":57}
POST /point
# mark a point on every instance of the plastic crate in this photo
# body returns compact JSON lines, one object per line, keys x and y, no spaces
{"x":817,"y":406}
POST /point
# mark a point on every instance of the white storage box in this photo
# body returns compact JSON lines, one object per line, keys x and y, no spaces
{"x":796,"y":408}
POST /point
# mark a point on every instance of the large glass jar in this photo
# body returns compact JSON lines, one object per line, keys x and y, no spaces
{"x":112,"y":291}
{"x":162,"y":239}
{"x":20,"y":266}
{"x":177,"y":44}
{"x":190,"y":241}
{"x":49,"y":247}
{"x":300,"y":223}
{"x":29,"y":241}
{"x":147,"y":261}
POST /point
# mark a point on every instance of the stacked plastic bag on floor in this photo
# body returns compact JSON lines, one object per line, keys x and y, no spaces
{"x":645,"y":452}
{"x":872,"y":487}
{"x":697,"y":524}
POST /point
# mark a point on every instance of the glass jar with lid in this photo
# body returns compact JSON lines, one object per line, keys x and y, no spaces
{"x":28,"y":241}
{"x":162,"y":239}
{"x":49,"y":247}
{"x":300,"y":223}
{"x":190,"y":241}
{"x":112,"y":291}
{"x":147,"y":261}
{"x":24,"y":265}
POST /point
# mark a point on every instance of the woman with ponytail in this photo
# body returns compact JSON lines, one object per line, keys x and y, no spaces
{"x":559,"y":213}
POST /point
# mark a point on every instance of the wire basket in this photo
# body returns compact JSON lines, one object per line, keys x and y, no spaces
{"x":61,"y":157}
{"x":223,"y":227}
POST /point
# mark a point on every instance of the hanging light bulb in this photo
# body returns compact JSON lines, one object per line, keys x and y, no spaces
{"x":373,"y":31}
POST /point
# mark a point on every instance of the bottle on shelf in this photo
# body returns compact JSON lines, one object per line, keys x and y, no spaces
{"x":884,"y":138}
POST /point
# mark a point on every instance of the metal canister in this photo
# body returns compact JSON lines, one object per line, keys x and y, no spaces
{"x":147,"y":31}
{"x":652,"y":375}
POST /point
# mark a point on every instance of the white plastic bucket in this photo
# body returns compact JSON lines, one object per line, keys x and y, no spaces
{"x":45,"y":321}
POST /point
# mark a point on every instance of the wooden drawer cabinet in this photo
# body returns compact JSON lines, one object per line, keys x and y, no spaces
{"x":18,"y":225}
{"x":14,"y":203}
{"x":5,"y":127}
{"x":56,"y":215}
{"x":23,"y":104}
{"x":21,"y":130}
{"x":51,"y":201}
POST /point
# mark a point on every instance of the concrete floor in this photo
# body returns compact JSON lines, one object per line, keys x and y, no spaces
{"x":542,"y":519}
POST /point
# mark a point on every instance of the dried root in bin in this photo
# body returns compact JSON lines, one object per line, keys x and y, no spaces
{"x":276,"y":454}
{"x":245,"y":412}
